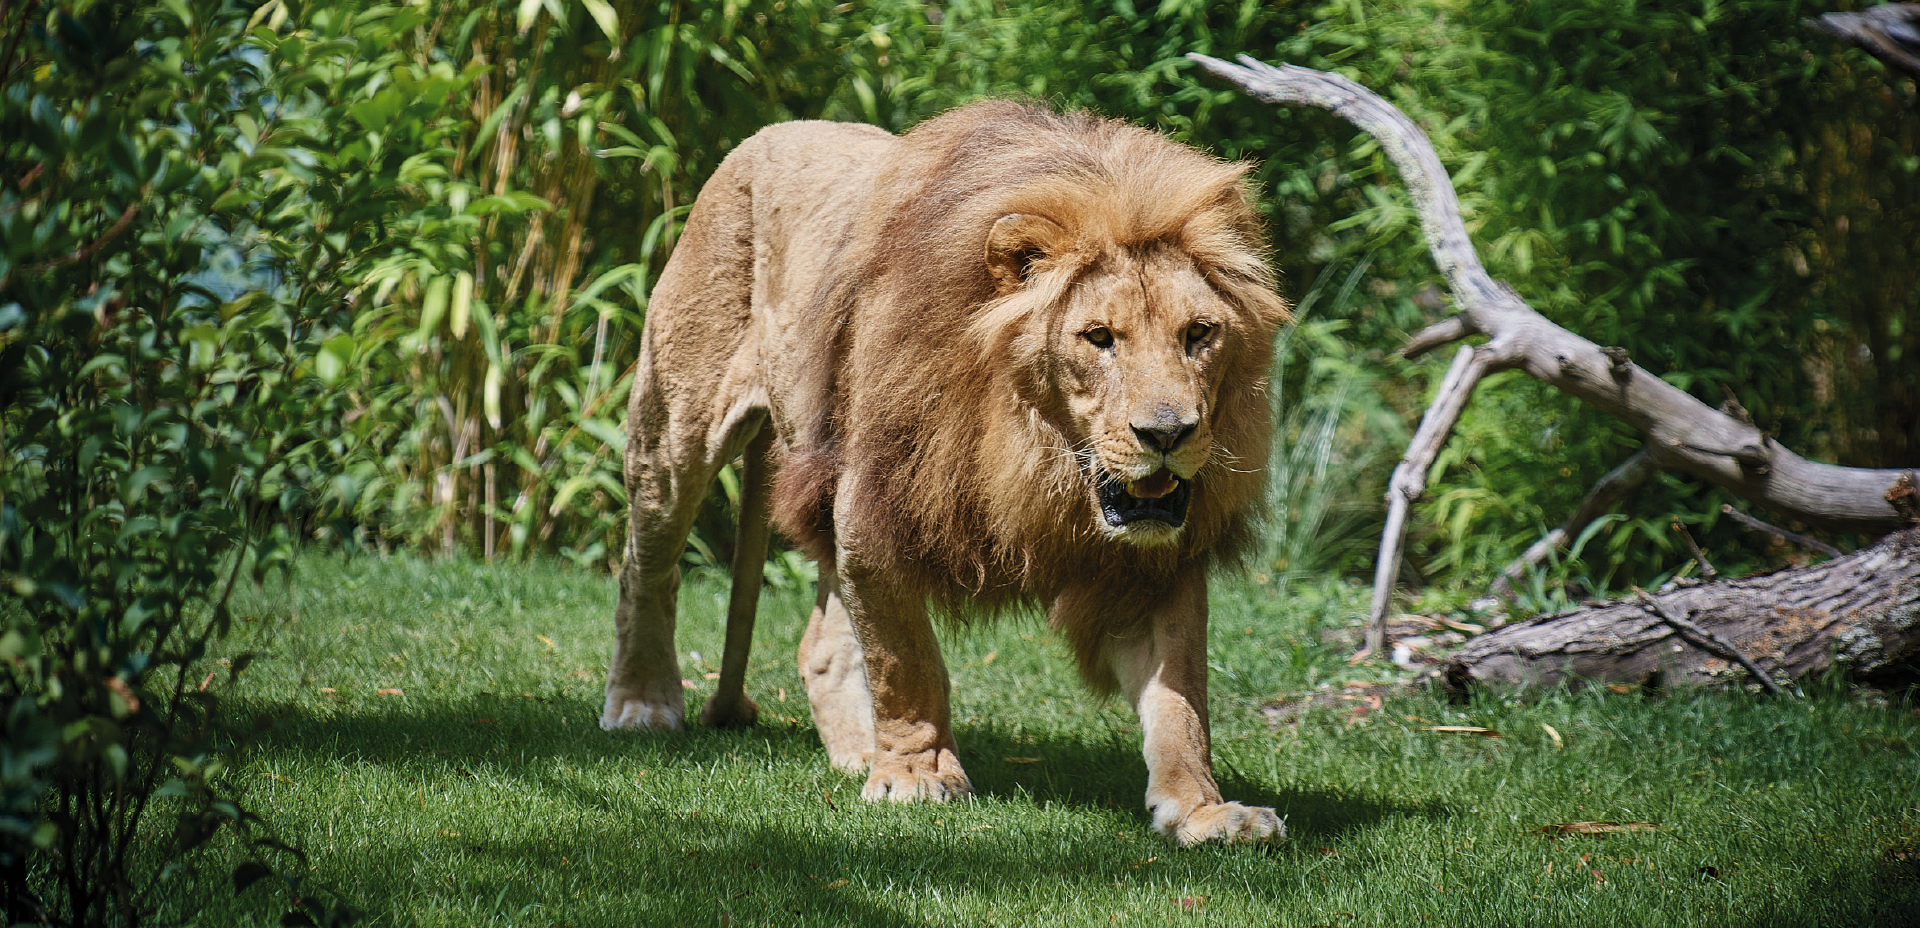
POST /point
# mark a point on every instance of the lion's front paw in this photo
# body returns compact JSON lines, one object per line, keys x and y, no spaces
{"x":1225,"y":823}
{"x":645,"y":715}
{"x":929,"y":776}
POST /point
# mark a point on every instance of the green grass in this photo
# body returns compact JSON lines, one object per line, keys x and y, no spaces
{"x":486,"y":794}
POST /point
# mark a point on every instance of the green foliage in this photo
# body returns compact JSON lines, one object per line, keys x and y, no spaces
{"x":545,"y":156}
{"x":1671,"y":173}
{"x":155,"y":433}
{"x":1332,"y":426}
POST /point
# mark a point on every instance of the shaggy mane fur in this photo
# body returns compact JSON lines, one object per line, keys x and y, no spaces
{"x":932,"y":410}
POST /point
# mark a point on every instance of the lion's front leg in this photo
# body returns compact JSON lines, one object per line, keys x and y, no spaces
{"x":914,"y":757}
{"x":1163,"y":671}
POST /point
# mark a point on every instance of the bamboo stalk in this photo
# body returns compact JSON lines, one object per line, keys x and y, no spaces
{"x":488,"y":542}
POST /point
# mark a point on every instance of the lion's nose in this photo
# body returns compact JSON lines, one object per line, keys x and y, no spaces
{"x":1163,"y":434}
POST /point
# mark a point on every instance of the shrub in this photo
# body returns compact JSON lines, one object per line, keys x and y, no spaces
{"x":163,"y":409}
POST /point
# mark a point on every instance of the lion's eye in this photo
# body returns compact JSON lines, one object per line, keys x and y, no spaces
{"x":1099,"y":335}
{"x":1198,"y":333}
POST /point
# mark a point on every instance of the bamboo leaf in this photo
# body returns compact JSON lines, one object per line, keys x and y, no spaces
{"x":489,"y":333}
{"x":334,"y":357}
{"x":266,"y":9}
{"x":432,"y":308}
{"x":606,"y":432}
{"x":602,"y":13}
{"x":611,"y":278}
{"x":573,"y":485}
{"x":658,"y":227}
{"x":493,"y":120}
{"x":462,"y":302}
{"x":490,"y":394}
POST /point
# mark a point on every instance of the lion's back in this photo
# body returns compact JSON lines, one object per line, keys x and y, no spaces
{"x":736,"y":297}
{"x":810,"y":182}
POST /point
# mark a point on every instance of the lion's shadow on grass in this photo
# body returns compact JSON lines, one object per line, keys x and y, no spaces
{"x":518,"y":736}
{"x":671,"y":865}
{"x":1111,"y":773}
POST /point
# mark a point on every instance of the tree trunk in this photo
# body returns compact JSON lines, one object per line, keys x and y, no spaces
{"x":1859,"y":613}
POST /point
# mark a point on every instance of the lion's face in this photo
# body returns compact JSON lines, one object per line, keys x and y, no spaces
{"x":1137,"y":350}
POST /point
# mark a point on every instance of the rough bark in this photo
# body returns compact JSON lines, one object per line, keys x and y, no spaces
{"x":1859,"y":613}
{"x":1682,"y":433}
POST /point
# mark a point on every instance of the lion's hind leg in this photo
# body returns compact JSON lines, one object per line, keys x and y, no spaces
{"x":698,"y":398}
{"x":643,"y":680}
{"x":835,"y":672}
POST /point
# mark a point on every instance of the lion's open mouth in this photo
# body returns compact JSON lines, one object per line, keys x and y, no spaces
{"x":1158,"y":497}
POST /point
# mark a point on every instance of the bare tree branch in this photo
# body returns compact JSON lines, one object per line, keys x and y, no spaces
{"x":1606,"y":494}
{"x":1410,"y":480}
{"x":1707,"y":641}
{"x":1792,"y":537}
{"x":1683,"y":433}
{"x":1889,"y":32}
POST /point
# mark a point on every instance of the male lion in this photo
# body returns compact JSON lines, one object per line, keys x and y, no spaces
{"x":1013,"y":356}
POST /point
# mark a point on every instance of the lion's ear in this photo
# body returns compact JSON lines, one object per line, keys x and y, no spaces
{"x":1015,"y":243}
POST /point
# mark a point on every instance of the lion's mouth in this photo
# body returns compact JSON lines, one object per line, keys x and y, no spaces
{"x":1157,"y":497}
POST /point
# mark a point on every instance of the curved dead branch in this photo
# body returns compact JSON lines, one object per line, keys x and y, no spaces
{"x":1682,"y":433}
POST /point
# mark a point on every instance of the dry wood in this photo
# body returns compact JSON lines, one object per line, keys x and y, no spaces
{"x":1860,"y":612}
{"x":1707,"y":641}
{"x":1410,"y":480}
{"x":1683,"y":434}
{"x":1793,"y":537}
{"x":1890,"y":32}
{"x":1707,"y":572}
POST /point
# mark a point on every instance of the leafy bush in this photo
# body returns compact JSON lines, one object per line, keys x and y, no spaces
{"x":159,"y":426}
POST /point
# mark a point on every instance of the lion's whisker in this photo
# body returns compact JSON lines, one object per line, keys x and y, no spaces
{"x":1225,"y":458}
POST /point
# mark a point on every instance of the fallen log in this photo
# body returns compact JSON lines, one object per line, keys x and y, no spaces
{"x":1859,"y":613}
{"x":1683,"y":434}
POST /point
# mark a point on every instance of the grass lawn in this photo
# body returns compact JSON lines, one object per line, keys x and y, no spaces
{"x":483,"y":792}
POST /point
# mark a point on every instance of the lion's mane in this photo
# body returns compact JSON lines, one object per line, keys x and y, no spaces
{"x":927,"y":381}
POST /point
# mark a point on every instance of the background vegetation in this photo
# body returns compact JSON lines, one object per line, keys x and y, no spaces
{"x":1727,"y":195}
{"x":1714,"y":187}
{"x":374,"y":273}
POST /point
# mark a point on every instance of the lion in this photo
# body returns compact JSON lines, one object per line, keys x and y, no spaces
{"x":1013,"y":357}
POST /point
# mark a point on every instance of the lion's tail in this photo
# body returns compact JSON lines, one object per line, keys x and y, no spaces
{"x":729,"y":705}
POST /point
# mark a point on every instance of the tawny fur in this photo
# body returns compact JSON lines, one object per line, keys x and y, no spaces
{"x":918,"y":321}
{"x":933,"y":402}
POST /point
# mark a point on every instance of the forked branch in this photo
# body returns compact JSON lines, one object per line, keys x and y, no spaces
{"x":1682,"y":433}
